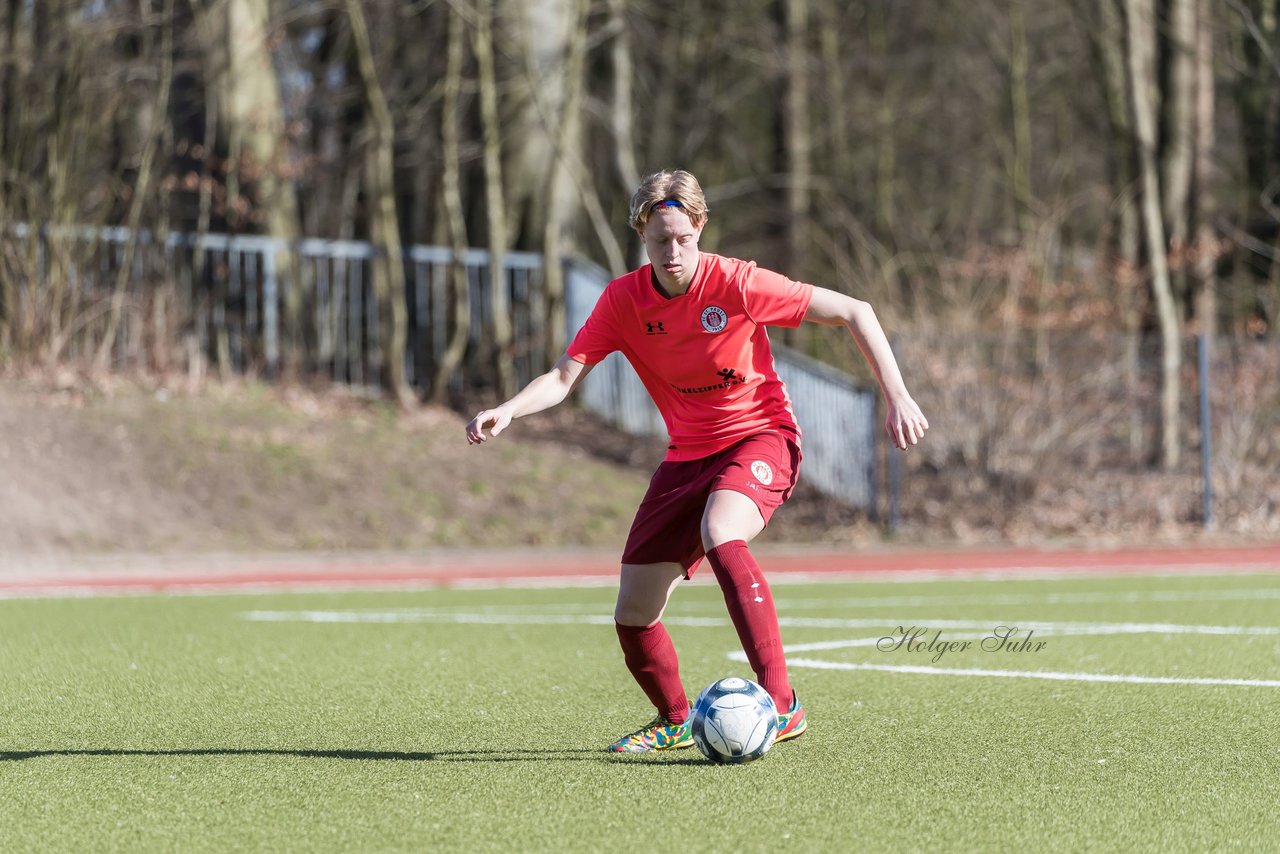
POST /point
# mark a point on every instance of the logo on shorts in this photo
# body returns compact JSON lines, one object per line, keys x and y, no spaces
{"x":714,"y":318}
{"x":762,"y":471}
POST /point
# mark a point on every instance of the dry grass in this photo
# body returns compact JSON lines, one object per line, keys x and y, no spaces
{"x":1013,"y":456}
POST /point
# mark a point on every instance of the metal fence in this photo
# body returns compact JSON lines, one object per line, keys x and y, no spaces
{"x":231,"y":292}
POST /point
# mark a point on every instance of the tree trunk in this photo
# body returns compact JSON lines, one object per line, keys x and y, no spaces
{"x":537,"y":34}
{"x":1206,"y":207}
{"x":797,"y":139}
{"x":1269,"y":189}
{"x":1142,"y":70}
{"x":455,"y":219}
{"x":559,"y":178}
{"x":388,"y":278}
{"x":620,"y":114}
{"x":1020,"y":169}
{"x":8,"y":120}
{"x":1112,"y":51}
{"x":12,"y":14}
{"x":495,"y":204}
{"x":1179,"y":137}
{"x":141,"y":190}
{"x":240,"y":71}
{"x":1258,"y":105}
{"x":1020,"y":112}
{"x":886,"y":149}
{"x":797,"y":152}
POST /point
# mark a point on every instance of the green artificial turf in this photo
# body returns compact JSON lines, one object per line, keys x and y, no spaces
{"x":473,"y":719}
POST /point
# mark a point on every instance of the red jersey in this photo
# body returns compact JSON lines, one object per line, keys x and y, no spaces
{"x":704,"y":355}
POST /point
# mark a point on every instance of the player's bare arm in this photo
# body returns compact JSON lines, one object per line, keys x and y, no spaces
{"x":542,"y":393}
{"x":905,"y":422}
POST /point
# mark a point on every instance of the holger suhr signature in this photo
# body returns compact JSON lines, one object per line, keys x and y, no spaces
{"x":917,"y":639}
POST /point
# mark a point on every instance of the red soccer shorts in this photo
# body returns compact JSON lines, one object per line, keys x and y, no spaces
{"x":668,"y":523}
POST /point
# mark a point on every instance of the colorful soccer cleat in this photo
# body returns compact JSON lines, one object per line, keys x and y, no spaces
{"x":658,"y":734}
{"x":792,"y":724}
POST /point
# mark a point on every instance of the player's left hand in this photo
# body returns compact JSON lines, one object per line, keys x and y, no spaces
{"x":905,"y":422}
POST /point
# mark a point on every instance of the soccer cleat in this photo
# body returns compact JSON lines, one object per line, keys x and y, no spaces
{"x":659,"y":734}
{"x":792,"y":724}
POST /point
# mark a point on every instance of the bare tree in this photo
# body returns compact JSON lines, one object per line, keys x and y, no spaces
{"x":1256,"y":39}
{"x":1207,"y":251}
{"x":1178,"y":143}
{"x":258,"y":183}
{"x":460,"y":297}
{"x":622,"y":107}
{"x":798,"y":141}
{"x":71,"y":129}
{"x":141,"y":190}
{"x":1111,"y":39}
{"x":495,"y":202}
{"x":886,"y":147}
{"x":1146,"y":93}
{"x":11,"y":10}
{"x":388,"y":279}
{"x":559,"y":178}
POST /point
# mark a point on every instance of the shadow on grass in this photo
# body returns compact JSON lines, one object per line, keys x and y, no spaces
{"x":513,"y":755}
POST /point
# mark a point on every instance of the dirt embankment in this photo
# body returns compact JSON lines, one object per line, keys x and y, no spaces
{"x":130,"y":466}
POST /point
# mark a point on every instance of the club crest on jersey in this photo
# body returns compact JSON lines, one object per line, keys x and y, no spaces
{"x":762,"y":471}
{"x":714,"y":318}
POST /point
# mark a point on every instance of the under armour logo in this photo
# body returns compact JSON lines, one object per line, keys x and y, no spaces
{"x":654,"y":328}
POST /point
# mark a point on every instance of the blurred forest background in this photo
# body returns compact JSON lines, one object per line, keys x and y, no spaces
{"x":1045,"y":201}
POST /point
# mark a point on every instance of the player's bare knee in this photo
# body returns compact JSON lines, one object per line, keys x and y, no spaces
{"x":717,"y":531}
{"x":730,"y":516}
{"x":636,"y":614}
{"x":711,"y":529}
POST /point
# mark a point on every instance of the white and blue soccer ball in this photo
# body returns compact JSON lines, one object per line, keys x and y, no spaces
{"x":734,"y":721}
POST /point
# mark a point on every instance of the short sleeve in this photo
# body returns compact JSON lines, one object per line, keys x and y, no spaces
{"x":596,"y":338}
{"x":772,"y":299}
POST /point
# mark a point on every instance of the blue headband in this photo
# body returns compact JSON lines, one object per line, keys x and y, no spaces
{"x":666,"y":203}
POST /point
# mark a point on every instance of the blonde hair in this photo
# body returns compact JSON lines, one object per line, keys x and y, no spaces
{"x":674,"y":189}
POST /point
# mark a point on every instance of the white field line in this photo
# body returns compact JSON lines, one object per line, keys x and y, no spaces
{"x":1042,"y":629}
{"x":1022,"y":573}
{"x":1047,"y":630}
{"x":424,"y":615}
{"x":1042,"y":626}
{"x":1030,"y":674}
{"x":573,"y":614}
{"x":495,"y":617}
{"x":1077,"y":598}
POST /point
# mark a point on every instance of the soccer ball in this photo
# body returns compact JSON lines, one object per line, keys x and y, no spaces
{"x":734,"y":721}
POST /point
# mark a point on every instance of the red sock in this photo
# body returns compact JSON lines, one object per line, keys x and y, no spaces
{"x":751,"y":608}
{"x":651,"y":658}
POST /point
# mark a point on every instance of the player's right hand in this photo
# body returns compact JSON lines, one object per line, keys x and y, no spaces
{"x":499,"y":419}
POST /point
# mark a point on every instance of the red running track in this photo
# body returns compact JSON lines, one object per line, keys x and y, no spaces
{"x":121,"y":575}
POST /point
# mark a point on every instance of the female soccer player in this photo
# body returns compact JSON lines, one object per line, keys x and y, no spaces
{"x":692,"y":324}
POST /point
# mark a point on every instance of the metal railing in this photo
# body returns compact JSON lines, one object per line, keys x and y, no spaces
{"x":231,"y":291}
